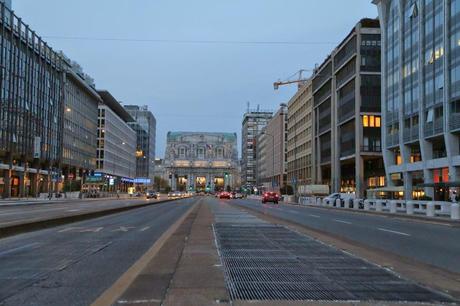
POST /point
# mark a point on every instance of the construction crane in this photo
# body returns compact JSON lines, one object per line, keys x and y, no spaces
{"x":300,"y":80}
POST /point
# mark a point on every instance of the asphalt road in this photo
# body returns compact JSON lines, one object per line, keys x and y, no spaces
{"x":434,"y":244}
{"x":15,"y":214}
{"x":73,"y":264}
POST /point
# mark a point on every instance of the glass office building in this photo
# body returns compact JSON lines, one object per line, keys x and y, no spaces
{"x":421,"y":95}
{"x":31,"y":109}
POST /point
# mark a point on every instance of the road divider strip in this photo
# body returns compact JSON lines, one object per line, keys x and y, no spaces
{"x":19,"y":228}
{"x":110,"y":296}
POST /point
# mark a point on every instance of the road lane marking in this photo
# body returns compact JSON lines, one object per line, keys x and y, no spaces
{"x":92,"y":230}
{"x":144,"y":229}
{"x":123,"y":229}
{"x":67,"y":229}
{"x":341,"y":221}
{"x":73,"y":210}
{"x":139,"y":301}
{"x":315,"y":216}
{"x":394,"y":232}
{"x":27,"y":246}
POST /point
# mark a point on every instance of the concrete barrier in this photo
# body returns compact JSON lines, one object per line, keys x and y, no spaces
{"x":410,"y":207}
{"x":378,"y":205}
{"x":338,"y":203}
{"x":455,"y":211}
{"x":366,"y":205}
{"x":430,"y":209}
{"x":356,"y":204}
{"x":319,"y":202}
{"x":393,"y":207}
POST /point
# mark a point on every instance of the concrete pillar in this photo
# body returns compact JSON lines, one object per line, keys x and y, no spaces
{"x":407,"y":179}
{"x":21,"y":184}
{"x":7,"y":177}
{"x":393,"y":206}
{"x":455,"y":211}
{"x":428,"y":178}
{"x":430,"y":212}
{"x":410,"y":207}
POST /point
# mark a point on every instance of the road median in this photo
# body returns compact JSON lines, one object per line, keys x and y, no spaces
{"x":38,"y":224}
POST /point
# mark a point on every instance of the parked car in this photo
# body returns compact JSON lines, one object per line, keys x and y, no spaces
{"x":330,"y":199}
{"x":150,"y":194}
{"x":225,"y":195}
{"x":270,"y":197}
{"x":238,"y":195}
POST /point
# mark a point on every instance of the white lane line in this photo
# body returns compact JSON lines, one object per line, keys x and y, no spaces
{"x":315,"y":216}
{"x":144,"y":228}
{"x":341,"y":221}
{"x":139,"y":301}
{"x":72,"y":210}
{"x":27,"y":246}
{"x":394,"y":232}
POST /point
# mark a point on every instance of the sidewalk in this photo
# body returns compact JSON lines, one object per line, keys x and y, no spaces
{"x":30,"y":201}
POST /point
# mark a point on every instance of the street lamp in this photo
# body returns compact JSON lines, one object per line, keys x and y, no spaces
{"x":273,"y":157}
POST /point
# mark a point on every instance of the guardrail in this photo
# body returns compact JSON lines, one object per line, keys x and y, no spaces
{"x":410,"y":207}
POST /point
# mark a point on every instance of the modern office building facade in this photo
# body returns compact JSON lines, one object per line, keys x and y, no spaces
{"x":346,"y":95}
{"x":253,"y":122}
{"x":271,"y":152}
{"x":421,"y":95}
{"x":300,"y":153}
{"x":198,"y":161}
{"x":81,"y":103}
{"x":116,"y":144}
{"x":31,"y":110}
{"x":145,"y":127}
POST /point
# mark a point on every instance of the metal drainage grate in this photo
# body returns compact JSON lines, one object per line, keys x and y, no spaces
{"x":270,"y":262}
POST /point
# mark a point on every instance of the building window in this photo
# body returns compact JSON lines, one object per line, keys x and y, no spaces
{"x":182,"y":152}
{"x":371,"y":121}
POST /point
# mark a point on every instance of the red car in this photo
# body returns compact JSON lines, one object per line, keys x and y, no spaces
{"x":270,"y":197}
{"x":225,"y":195}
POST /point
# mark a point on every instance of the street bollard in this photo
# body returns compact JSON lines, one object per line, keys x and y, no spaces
{"x":366,"y":204}
{"x":455,"y":211}
{"x":338,"y":203}
{"x":393,"y":206}
{"x":410,"y":207}
{"x":356,"y":204}
{"x":430,"y":209}
{"x":378,"y":205}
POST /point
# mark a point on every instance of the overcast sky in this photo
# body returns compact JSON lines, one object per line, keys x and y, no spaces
{"x":189,"y":83}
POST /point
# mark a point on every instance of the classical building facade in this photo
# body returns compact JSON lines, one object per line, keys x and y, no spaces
{"x":421,"y":95}
{"x":201,"y":161}
{"x":253,"y":123}
{"x":346,"y":95}
{"x":31,"y":109}
{"x":300,"y":152}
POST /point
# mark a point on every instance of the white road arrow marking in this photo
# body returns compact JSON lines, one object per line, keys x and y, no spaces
{"x":93,"y":230}
{"x":123,"y":229}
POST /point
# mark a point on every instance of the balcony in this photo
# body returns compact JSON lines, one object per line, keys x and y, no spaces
{"x":371,"y":149}
{"x":454,"y":121}
{"x":410,"y":134}
{"x":392,"y":140}
{"x":433,"y":128}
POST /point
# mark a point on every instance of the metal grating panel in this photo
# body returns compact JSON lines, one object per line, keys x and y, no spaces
{"x":270,"y":262}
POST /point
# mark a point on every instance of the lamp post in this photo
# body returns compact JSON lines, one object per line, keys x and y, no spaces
{"x":273,"y":157}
